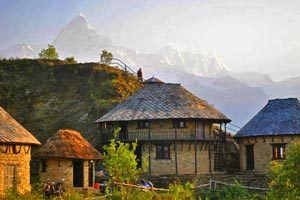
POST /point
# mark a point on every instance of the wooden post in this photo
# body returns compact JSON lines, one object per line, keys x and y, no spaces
{"x":175,"y":146}
{"x":225,"y":147}
{"x":149,"y":149}
{"x":196,"y":148}
{"x":209,"y":148}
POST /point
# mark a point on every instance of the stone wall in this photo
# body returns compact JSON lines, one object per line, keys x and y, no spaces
{"x":185,"y":159}
{"x":262,"y":150}
{"x":58,"y":169}
{"x":22,"y":170}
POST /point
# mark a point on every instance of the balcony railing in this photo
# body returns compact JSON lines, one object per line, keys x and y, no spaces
{"x":157,"y":136}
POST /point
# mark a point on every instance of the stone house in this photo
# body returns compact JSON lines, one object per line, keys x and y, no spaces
{"x":15,"y":155}
{"x":175,"y":129}
{"x":268,"y":134}
{"x":67,"y":156}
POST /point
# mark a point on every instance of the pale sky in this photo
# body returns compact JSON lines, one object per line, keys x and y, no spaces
{"x":256,"y":35}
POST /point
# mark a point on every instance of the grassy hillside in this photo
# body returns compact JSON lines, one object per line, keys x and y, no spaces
{"x":45,"y":95}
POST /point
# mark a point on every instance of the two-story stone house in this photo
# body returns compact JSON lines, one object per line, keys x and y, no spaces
{"x":175,"y":129}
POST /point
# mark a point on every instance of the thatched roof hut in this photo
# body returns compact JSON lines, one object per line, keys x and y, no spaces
{"x":67,"y":143}
{"x":158,"y":100}
{"x":278,"y":117}
{"x":12,"y":132}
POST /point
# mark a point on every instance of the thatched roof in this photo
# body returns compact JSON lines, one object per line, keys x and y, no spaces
{"x":68,"y":143}
{"x":278,"y":117}
{"x":13,"y":132}
{"x":160,"y":100}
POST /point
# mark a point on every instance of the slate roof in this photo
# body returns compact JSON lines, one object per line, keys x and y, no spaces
{"x":160,"y":100}
{"x":12,"y":132}
{"x":68,"y":143}
{"x":278,"y":117}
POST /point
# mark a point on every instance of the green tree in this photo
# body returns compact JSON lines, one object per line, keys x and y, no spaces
{"x":285,"y":175}
{"x":70,"y":60}
{"x":106,"y":56}
{"x":120,"y":161}
{"x":49,"y":53}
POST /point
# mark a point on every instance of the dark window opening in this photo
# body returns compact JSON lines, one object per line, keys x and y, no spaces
{"x":278,"y":151}
{"x":179,"y":123}
{"x":163,"y":151}
{"x":143,"y":124}
{"x":44,"y":166}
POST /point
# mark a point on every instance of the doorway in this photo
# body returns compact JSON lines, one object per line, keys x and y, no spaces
{"x":91,"y":173}
{"x":138,"y":153}
{"x":123,"y":132}
{"x":77,"y":173}
{"x":249,"y":157}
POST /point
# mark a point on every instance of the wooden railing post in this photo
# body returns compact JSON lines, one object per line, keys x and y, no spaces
{"x":149,"y":149}
{"x":175,"y":145}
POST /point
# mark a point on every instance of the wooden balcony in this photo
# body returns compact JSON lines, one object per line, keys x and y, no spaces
{"x":179,"y":135}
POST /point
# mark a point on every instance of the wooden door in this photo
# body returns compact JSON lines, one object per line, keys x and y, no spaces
{"x":91,"y":174}
{"x":9,"y":181}
{"x":249,"y":157}
{"x":138,"y":153}
{"x":78,"y":173}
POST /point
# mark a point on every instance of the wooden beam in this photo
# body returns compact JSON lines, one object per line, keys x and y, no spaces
{"x":175,"y":146}
{"x":209,"y":149}
{"x":264,"y":139}
{"x":225,"y":148}
{"x":149,"y":149}
{"x":181,"y":145}
{"x":282,"y":139}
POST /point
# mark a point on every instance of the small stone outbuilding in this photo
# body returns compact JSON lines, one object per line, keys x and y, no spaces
{"x":15,"y":155}
{"x":67,"y":155}
{"x":268,"y":134}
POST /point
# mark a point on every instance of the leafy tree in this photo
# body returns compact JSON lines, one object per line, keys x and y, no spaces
{"x":49,"y":53}
{"x":120,"y":161}
{"x":106,"y":56}
{"x":285,"y":176}
{"x":70,"y":60}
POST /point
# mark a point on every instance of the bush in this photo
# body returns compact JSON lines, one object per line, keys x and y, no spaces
{"x":285,"y":175}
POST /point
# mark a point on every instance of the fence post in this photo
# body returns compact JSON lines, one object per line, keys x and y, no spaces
{"x":210,"y":184}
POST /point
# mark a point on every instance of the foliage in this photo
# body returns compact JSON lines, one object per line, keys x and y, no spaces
{"x":227,"y":193}
{"x":285,"y":175}
{"x":120,"y":161}
{"x":49,"y":53}
{"x":45,"y":95}
{"x":179,"y":191}
{"x":106,"y":56}
{"x":70,"y":60}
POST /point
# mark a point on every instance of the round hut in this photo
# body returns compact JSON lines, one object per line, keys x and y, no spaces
{"x":67,"y":156}
{"x":15,"y":154}
{"x":268,"y":134}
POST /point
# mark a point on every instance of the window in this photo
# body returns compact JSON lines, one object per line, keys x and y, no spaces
{"x":278,"y":151}
{"x":163,"y":151}
{"x":9,"y":180}
{"x":179,"y":123}
{"x":44,"y":166}
{"x":143,"y":124}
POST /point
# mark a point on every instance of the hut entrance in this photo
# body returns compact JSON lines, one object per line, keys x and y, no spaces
{"x":249,"y":157}
{"x":9,"y":177}
{"x":78,"y":173}
{"x":91,"y":173}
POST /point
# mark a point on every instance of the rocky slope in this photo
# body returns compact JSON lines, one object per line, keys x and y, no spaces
{"x":45,"y":96}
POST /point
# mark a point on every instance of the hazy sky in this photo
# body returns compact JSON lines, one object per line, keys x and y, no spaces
{"x":257,"y":35}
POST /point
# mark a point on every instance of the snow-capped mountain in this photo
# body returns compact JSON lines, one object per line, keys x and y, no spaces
{"x":80,"y":40}
{"x":239,"y":95}
{"x":18,"y":50}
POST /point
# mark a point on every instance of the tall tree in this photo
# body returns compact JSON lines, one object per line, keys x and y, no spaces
{"x":106,"y":56}
{"x":49,"y":53}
